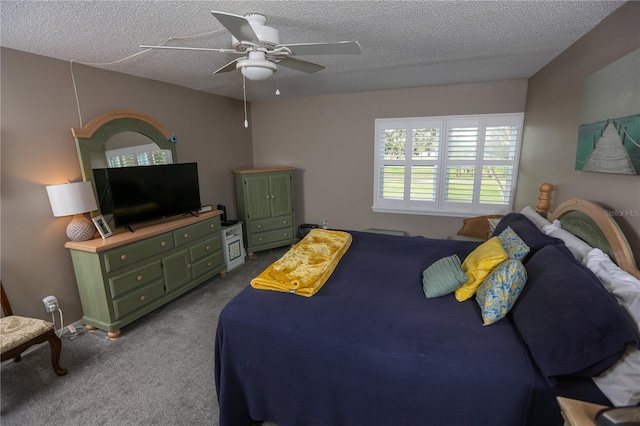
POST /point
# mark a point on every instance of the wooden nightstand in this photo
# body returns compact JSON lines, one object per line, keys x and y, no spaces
{"x":578,"y":413}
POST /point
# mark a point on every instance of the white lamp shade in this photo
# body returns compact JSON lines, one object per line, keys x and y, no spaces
{"x":71,"y":198}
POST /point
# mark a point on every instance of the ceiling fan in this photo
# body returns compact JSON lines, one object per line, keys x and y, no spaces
{"x":261,"y":51}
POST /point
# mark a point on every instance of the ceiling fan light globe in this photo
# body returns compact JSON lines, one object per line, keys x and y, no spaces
{"x":256,"y":69}
{"x":256,"y":73}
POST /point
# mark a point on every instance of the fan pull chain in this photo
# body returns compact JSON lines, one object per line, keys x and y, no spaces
{"x":244,"y":98}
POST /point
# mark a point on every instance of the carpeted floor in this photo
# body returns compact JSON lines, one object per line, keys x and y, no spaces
{"x":159,"y":372}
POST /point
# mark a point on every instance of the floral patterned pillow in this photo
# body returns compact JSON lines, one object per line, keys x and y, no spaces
{"x":513,"y":244}
{"x":500,"y":290}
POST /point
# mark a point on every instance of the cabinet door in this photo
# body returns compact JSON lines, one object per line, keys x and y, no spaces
{"x":281,"y":194}
{"x":177,"y":270}
{"x":258,"y":195}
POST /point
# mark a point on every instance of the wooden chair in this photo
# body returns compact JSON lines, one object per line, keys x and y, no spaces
{"x":475,"y":228}
{"x":18,"y":333}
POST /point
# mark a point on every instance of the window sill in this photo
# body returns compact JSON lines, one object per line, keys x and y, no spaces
{"x":448,"y":213}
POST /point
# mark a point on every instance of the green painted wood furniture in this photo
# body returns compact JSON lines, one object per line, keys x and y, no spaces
{"x":264,"y":200}
{"x":128,"y":275}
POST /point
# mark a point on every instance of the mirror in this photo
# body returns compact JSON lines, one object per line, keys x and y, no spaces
{"x":121,"y":139}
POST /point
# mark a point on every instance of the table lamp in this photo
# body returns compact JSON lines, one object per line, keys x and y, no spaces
{"x":74,"y":199}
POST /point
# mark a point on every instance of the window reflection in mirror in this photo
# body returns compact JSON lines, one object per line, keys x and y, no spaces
{"x":126,"y":149}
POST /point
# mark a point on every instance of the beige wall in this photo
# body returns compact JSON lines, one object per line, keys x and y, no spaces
{"x":552,"y":118}
{"x":38,"y":111}
{"x":330,"y":140}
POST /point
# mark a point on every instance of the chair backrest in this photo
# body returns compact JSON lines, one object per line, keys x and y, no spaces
{"x":6,"y":307}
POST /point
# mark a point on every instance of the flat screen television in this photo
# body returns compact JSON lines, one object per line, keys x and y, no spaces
{"x":143,"y":193}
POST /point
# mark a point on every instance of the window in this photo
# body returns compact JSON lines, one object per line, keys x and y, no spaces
{"x":457,"y":165}
{"x":140,"y":155}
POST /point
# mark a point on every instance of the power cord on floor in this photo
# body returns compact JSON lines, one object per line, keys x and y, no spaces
{"x":72,"y":332}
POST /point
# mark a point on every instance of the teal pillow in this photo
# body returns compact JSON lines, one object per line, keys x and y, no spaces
{"x":512,"y":243}
{"x":500,"y":290}
{"x":443,"y":277}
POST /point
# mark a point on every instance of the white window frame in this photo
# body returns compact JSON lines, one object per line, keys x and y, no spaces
{"x":439,"y":206}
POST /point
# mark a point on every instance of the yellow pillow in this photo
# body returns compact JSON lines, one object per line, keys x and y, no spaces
{"x":480,"y":262}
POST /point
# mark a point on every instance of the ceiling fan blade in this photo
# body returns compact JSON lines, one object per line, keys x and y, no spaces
{"x":231,"y":66}
{"x":206,"y":49}
{"x":338,"y":48}
{"x":300,"y":65}
{"x":238,"y":26}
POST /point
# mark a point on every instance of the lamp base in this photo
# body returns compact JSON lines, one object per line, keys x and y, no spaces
{"x":80,"y":229}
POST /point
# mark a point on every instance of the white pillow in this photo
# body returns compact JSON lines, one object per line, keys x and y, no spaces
{"x":619,"y":382}
{"x":535,"y":217}
{"x":578,"y":247}
{"x":621,"y":284}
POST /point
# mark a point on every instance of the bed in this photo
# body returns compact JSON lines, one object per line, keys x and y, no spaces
{"x":370,"y":348}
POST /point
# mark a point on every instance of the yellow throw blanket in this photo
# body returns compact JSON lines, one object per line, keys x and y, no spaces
{"x":304,"y":269}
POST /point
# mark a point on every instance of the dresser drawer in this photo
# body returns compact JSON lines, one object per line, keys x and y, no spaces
{"x":193,"y":232}
{"x":271,"y":236}
{"x":127,"y":255}
{"x":121,"y":284}
{"x":137,"y":299}
{"x":262,"y":225}
{"x":207,"y":264}
{"x":205,"y":248}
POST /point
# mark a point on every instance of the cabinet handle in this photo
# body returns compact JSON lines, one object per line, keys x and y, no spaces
{"x":209,"y":265}
{"x":143,"y":298}
{"x":268,"y":197}
{"x":212,"y":226}
{"x":259,"y":226}
{"x":207,"y":248}
{"x":284,"y":222}
{"x":163,"y":244}
{"x":273,"y":196}
{"x":188,"y":265}
{"x":123,"y":257}
{"x":186,"y":235}
{"x":260,"y":239}
{"x":286,"y":234}
{"x":140,"y":278}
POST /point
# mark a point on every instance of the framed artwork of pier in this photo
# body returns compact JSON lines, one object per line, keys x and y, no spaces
{"x":609,"y":132}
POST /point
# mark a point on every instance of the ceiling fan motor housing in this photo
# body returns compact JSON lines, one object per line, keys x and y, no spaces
{"x":269,"y":37}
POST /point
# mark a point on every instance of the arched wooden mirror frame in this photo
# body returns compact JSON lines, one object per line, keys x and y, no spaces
{"x":97,"y":132}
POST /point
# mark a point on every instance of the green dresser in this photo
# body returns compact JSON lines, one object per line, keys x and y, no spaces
{"x":128,"y":275}
{"x":265,"y":205}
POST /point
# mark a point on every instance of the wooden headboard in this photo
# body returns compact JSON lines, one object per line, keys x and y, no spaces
{"x":591,"y":223}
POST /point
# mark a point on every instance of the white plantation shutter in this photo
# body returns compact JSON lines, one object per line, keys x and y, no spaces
{"x":475,"y":174}
{"x":407,"y":163}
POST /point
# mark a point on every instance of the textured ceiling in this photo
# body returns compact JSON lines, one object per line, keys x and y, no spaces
{"x":404,"y":43}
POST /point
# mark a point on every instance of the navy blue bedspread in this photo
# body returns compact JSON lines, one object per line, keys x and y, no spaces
{"x":370,"y":349}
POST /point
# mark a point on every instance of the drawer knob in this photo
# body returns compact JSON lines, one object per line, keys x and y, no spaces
{"x":140,"y":278}
{"x":188,"y":265}
{"x":259,"y":226}
{"x":207,"y":248}
{"x":186,"y":235}
{"x":286,"y":234}
{"x":163,"y":244}
{"x":212,"y":226}
{"x":143,"y":298}
{"x":123,"y":257}
{"x":273,"y":196}
{"x":284,"y":222}
{"x":260,"y":239}
{"x":209,"y":264}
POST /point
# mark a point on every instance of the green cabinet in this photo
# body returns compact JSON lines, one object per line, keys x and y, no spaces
{"x":126,"y":276}
{"x":265,"y":205}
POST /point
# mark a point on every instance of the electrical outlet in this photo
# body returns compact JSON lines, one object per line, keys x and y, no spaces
{"x":50,"y":303}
